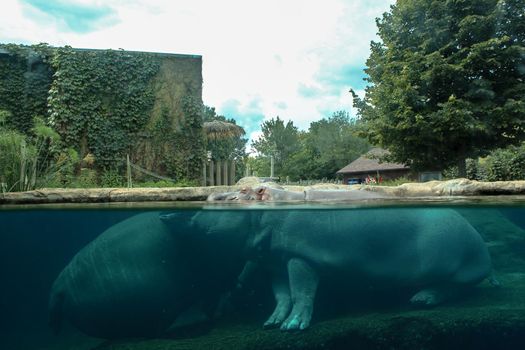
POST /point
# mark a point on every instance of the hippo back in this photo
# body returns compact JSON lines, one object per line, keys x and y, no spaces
{"x":130,"y":281}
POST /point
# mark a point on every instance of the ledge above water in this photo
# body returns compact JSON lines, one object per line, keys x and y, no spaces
{"x":431,"y":189}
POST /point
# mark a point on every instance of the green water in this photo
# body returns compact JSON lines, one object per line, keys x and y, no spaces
{"x":36,"y":243}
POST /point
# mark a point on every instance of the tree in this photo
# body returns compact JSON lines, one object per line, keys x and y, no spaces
{"x":447,"y":81}
{"x":279,"y":140}
{"x":333,"y":143}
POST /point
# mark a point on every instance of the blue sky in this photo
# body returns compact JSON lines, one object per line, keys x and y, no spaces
{"x":261,"y":59}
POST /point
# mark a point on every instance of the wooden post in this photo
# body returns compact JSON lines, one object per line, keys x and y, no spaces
{"x":219,"y":170}
{"x":128,"y":171}
{"x":232,"y":173}
{"x":23,"y":164}
{"x":212,"y":173}
{"x":225,"y":176}
{"x":204,"y":173}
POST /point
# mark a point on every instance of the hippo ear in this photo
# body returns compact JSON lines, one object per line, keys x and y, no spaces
{"x":259,"y":192}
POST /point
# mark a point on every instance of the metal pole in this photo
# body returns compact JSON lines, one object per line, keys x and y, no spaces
{"x":271,"y":166}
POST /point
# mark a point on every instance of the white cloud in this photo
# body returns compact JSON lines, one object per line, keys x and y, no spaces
{"x":262,"y":50}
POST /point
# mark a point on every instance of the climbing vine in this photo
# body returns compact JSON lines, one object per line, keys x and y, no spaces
{"x":25,"y":78}
{"x":180,"y":146}
{"x":99,"y":100}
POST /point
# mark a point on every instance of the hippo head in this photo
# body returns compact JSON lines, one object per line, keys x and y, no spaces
{"x":244,"y":194}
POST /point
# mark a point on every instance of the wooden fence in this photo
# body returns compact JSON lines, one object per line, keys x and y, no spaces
{"x":218,"y":173}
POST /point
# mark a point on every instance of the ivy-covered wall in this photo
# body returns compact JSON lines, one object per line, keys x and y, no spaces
{"x":110,"y":103}
{"x":25,"y":78}
{"x":172,"y":141}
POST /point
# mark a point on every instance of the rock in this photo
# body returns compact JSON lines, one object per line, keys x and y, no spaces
{"x":455,"y":187}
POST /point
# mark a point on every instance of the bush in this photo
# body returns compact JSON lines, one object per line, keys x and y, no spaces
{"x":395,"y":182}
{"x":165,"y":183}
{"x":505,"y":164}
{"x":473,"y":171}
{"x":112,"y":178}
{"x":16,"y":161}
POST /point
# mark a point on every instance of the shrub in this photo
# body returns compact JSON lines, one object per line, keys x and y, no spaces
{"x":111,"y":178}
{"x":505,"y":164}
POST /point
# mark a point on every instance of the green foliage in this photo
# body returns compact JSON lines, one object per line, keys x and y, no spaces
{"x":473,"y":171}
{"x":279,"y":140}
{"x":13,"y":163}
{"x":180,"y":146}
{"x":164,"y":183}
{"x":331,"y":143}
{"x":25,"y":78}
{"x":27,"y":162}
{"x":505,"y":164}
{"x":394,"y":182}
{"x":447,"y":81}
{"x":502,"y":164}
{"x":111,"y":177}
{"x":101,"y":99}
{"x":327,"y":146}
{"x":86,"y":179}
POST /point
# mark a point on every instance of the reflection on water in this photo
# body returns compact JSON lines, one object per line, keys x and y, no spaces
{"x":154,"y":266}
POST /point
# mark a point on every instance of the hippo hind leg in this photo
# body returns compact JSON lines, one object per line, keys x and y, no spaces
{"x":438,"y":294}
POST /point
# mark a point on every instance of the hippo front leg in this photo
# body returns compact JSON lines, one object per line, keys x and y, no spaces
{"x":283,"y":299}
{"x":303,"y":281}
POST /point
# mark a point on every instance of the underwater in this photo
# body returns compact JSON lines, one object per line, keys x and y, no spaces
{"x":427,"y":275}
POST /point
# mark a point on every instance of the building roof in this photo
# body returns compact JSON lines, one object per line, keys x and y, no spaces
{"x":162,"y":54}
{"x":369,"y":163}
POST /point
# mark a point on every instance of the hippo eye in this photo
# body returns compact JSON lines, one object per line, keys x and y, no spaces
{"x":260,"y":191}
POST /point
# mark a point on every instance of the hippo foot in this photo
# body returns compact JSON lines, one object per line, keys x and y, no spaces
{"x":428,"y":297}
{"x":279,"y":314}
{"x":272,"y":322}
{"x":297,"y":321}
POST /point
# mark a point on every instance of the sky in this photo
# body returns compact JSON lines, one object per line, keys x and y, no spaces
{"x":261,"y":59}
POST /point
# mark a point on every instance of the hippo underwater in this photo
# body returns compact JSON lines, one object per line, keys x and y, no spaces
{"x":135,"y":279}
{"x":433,"y":251}
{"x":139,"y":275}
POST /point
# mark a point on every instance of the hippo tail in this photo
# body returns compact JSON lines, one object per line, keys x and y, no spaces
{"x":56,"y":311}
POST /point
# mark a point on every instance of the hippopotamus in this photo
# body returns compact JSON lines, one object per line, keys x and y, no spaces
{"x":433,"y":251}
{"x":273,"y":194}
{"x":135,"y":279}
